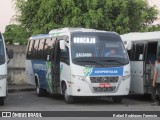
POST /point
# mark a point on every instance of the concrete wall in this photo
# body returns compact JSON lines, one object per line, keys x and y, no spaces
{"x":16,"y":66}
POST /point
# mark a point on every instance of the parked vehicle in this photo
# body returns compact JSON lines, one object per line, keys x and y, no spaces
{"x":3,"y":69}
{"x":73,"y":62}
{"x":143,"y":49}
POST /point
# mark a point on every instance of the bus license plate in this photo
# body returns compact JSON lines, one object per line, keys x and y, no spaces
{"x":104,"y":85}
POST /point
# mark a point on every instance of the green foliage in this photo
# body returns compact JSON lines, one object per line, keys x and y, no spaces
{"x":40,"y":16}
{"x":151,"y":28}
{"x":16,"y":33}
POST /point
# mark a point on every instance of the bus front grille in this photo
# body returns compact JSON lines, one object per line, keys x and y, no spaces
{"x":104,"y":79}
{"x":109,"y":89}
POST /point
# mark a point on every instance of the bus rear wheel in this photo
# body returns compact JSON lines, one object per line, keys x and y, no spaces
{"x":40,"y":92}
{"x":117,"y":99}
{"x":1,"y":101}
{"x":69,"y":99}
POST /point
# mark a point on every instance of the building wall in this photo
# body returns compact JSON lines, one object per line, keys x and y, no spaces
{"x":16,"y":66}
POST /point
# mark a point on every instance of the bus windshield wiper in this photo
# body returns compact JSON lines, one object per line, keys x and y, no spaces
{"x":91,"y":61}
{"x":114,"y":61}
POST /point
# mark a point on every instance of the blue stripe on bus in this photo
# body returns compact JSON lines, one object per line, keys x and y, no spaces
{"x":39,"y":68}
{"x":118,"y":71}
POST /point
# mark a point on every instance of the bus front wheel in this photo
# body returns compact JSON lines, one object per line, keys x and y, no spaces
{"x":69,"y":99}
{"x":1,"y":101}
{"x":117,"y":99}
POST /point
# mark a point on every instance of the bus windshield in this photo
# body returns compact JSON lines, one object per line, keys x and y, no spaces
{"x":2,"y":56}
{"x":96,"y":48}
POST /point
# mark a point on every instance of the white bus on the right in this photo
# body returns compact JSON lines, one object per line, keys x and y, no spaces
{"x":143,"y":49}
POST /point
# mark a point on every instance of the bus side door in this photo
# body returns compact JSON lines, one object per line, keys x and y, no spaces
{"x":137,"y":68}
{"x":150,"y":59}
{"x":56,"y":65}
{"x":56,"y":68}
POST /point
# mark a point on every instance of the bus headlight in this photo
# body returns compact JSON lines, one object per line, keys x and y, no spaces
{"x":2,"y":76}
{"x":79,"y":77}
{"x":126,"y":77}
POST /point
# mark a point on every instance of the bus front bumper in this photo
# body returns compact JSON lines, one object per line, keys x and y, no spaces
{"x":80,"y":88}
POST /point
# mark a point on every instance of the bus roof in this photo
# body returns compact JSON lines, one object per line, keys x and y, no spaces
{"x":40,"y":36}
{"x":72,"y":29}
{"x":141,"y":36}
{"x":64,"y":31}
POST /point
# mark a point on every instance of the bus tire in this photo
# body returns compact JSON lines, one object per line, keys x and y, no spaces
{"x":69,"y":99}
{"x":117,"y":99}
{"x":1,"y":101}
{"x":40,"y":92}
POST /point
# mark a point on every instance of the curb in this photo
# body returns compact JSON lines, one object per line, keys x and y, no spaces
{"x":20,"y":89}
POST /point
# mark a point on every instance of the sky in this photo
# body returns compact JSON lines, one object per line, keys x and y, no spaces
{"x":7,"y":11}
{"x":157,"y":3}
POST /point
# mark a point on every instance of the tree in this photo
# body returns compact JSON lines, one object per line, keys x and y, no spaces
{"x":16,"y":33}
{"x":152,"y":28}
{"x":121,"y":16}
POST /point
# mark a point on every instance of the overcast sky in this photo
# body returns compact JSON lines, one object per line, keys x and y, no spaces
{"x":157,"y":3}
{"x":7,"y":11}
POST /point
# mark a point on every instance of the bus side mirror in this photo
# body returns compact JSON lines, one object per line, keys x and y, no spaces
{"x":62,"y":45}
{"x":128,"y":45}
{"x":10,"y":54}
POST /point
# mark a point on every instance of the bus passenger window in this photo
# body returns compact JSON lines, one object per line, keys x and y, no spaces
{"x":35,"y":51}
{"x":65,"y":55}
{"x":28,"y":45}
{"x":40,"y":49}
{"x":48,"y":48}
{"x":151,"y":52}
{"x":139,"y":52}
{"x":31,"y":49}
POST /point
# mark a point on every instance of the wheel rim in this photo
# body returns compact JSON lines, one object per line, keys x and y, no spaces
{"x":65,"y":93}
{"x":37,"y":89}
